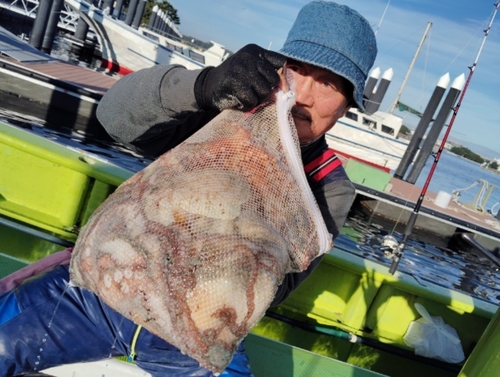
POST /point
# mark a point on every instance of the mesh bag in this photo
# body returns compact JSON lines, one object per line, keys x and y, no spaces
{"x":194,"y":246}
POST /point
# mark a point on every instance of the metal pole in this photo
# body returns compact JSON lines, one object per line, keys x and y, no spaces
{"x":435,"y":130}
{"x":383,"y":15}
{"x":370,"y":84}
{"x":81,"y":30}
{"x":139,"y":12}
{"x":374,"y":102}
{"x":398,"y":253}
{"x":40,"y":24}
{"x":152,"y":19}
{"x":51,"y":29}
{"x":422,"y":126}
{"x":132,"y":6}
{"x":429,"y":24}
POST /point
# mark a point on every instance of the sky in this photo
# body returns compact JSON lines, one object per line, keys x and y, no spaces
{"x":451,"y":46}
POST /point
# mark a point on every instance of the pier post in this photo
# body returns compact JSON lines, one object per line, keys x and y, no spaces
{"x":375,"y":100}
{"x":139,"y":12}
{"x":433,"y":134}
{"x":370,"y":85}
{"x":81,"y":30}
{"x":51,"y":29}
{"x":40,"y":24}
{"x":131,"y":11}
{"x":422,"y":126}
{"x":157,"y":22}
{"x":152,"y":19}
{"x":80,"y":35}
{"x":161,"y":21}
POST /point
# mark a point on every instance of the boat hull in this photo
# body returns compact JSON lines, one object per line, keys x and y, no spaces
{"x":366,"y":145}
{"x":369,"y":137}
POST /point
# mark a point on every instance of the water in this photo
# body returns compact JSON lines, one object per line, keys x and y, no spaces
{"x":61,"y":49}
{"x":465,"y":271}
{"x":454,"y":172}
{"x":430,"y":260}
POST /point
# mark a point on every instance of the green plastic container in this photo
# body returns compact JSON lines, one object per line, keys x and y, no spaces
{"x":49,"y":186}
{"x":485,"y":359}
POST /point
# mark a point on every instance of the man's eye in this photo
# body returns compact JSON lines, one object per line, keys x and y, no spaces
{"x":330,"y":86}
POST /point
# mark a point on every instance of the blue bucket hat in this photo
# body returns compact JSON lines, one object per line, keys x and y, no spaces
{"x":334,"y":37}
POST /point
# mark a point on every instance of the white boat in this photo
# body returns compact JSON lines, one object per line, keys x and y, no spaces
{"x":212,"y":56}
{"x":125,"y":49}
{"x":372,"y":138}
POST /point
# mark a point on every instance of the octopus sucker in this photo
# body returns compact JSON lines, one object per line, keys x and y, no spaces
{"x":194,"y":247}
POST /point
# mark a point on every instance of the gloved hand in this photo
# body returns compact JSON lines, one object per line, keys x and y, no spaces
{"x":242,"y":81}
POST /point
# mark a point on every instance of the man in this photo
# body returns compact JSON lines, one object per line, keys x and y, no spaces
{"x":329,"y":52}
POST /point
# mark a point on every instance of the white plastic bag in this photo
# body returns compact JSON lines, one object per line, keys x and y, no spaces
{"x":432,"y":337}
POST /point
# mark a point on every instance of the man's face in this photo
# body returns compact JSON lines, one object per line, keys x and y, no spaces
{"x":321,"y":100}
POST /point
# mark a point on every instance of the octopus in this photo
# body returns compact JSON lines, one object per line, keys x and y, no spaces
{"x":194,"y":246}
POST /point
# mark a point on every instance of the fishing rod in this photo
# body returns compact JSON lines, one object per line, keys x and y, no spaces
{"x":389,"y":241}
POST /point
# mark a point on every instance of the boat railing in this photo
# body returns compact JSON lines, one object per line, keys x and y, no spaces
{"x":175,"y":38}
{"x":68,"y":17}
{"x":481,"y":197}
{"x":492,"y":210}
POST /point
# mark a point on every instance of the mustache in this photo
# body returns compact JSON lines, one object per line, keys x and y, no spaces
{"x":300,"y":112}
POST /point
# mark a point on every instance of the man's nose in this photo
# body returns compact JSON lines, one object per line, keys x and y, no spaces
{"x":304,"y":90}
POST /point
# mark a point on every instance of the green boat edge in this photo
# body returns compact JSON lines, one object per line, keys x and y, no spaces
{"x":50,"y":189}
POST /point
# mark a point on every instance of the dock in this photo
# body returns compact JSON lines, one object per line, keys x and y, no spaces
{"x":393,"y":200}
{"x":54,"y":90}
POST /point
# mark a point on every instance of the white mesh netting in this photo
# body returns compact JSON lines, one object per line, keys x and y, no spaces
{"x":194,"y":246}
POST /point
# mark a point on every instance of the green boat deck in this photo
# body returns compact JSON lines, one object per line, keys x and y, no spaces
{"x":277,"y":359}
{"x":359,"y":297}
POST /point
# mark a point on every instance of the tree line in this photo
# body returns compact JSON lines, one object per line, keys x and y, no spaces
{"x":165,"y":6}
{"x":467,"y":153}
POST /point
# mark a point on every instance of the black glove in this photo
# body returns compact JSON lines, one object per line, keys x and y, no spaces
{"x":242,"y":81}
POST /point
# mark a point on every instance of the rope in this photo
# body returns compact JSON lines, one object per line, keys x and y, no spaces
{"x":134,"y":342}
